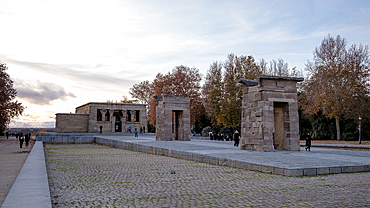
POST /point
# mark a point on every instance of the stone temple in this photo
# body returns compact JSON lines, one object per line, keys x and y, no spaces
{"x":270,"y":114}
{"x":97,"y":117}
{"x":173,"y":118}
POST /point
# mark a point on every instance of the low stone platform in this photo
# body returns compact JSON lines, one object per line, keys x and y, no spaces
{"x":288,"y":163}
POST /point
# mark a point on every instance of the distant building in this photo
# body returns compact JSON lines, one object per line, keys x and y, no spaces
{"x":102,"y":117}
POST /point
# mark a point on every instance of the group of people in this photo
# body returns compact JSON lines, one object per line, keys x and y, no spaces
{"x":135,"y":131}
{"x":23,"y":137}
{"x":226,"y":137}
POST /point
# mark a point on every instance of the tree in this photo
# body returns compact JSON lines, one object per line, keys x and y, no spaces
{"x":222,"y":94}
{"x":8,"y":108}
{"x":123,"y":100}
{"x":236,"y":68}
{"x":142,"y":92}
{"x":278,"y":68}
{"x":184,"y":82}
{"x":338,"y":83}
{"x":212,"y":92}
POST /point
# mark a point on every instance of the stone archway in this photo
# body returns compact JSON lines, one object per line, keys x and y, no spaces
{"x":270,"y":114}
{"x":173,"y":118}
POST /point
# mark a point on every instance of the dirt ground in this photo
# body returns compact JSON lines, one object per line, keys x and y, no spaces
{"x":12,"y":159}
{"x":337,"y":142}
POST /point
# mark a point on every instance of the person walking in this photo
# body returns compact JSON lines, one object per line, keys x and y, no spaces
{"x":141,"y":130}
{"x":20,"y":136}
{"x":236,"y":138}
{"x":308,"y":141}
{"x":7,"y":135}
{"x":136,"y":132}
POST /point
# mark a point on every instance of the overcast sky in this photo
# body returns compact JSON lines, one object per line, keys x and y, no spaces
{"x":62,"y":54}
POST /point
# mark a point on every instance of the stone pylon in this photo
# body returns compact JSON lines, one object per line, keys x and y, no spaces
{"x":270,"y":114}
{"x":173,"y":118}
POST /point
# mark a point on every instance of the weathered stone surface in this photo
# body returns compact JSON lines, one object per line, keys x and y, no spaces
{"x":112,"y":117}
{"x":68,"y":123}
{"x":270,"y":114}
{"x":172,"y":118}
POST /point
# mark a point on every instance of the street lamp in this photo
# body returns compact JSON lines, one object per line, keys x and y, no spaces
{"x":359,"y":129}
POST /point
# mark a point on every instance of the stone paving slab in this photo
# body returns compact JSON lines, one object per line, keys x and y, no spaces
{"x":289,"y":163}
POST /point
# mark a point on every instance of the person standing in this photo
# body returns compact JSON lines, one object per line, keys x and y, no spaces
{"x":27,"y":139}
{"x":7,"y":135}
{"x":236,"y":138}
{"x":141,"y":130}
{"x":20,"y":136}
{"x":136,"y":132}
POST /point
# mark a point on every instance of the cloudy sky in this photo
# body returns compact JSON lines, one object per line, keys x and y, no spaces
{"x":62,"y":54}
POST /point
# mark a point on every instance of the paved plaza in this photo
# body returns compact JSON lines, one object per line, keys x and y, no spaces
{"x":90,"y":175}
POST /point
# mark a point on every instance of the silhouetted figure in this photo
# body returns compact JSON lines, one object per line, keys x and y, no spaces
{"x":308,"y":141}
{"x":141,"y":130}
{"x":236,"y":138}
{"x":7,"y":135}
{"x":20,"y":140}
{"x":27,"y":139}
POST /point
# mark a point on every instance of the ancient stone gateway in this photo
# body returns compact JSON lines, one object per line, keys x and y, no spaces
{"x":270,"y":114}
{"x":173,"y":118}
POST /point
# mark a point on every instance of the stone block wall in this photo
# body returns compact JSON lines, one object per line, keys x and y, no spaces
{"x":112,"y":109}
{"x":86,"y":118}
{"x":173,"y":118}
{"x":68,"y":123}
{"x":270,"y":114}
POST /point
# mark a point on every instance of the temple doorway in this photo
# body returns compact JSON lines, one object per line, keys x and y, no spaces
{"x":118,"y":123}
{"x":177,"y":125}
{"x":281,"y":124}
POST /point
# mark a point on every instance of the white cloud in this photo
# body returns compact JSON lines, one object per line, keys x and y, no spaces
{"x":40,"y":93}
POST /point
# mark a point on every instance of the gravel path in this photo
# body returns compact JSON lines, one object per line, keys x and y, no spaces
{"x":97,"y":176}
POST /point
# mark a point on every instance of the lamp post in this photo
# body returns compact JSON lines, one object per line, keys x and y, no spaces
{"x":359,"y":129}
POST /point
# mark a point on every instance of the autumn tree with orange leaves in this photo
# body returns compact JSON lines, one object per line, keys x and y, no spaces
{"x":182,"y":81}
{"x":339,"y":82}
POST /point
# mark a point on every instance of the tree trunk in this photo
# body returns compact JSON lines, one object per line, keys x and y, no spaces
{"x":338,"y":127}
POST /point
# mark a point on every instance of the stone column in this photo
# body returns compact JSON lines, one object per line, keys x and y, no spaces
{"x":133,"y":116}
{"x":123,"y":121}
{"x":103,"y":112}
{"x":113,"y":120}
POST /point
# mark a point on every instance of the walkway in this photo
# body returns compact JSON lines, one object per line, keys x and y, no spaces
{"x":31,"y":188}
